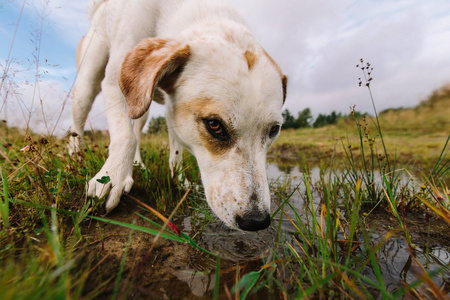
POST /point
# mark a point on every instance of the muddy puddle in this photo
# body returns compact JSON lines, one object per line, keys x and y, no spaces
{"x":172,"y":270}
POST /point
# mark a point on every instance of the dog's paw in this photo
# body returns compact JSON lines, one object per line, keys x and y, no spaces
{"x":74,"y":144}
{"x":139,"y":164}
{"x":184,"y":184}
{"x":137,"y":161}
{"x":110,"y":184}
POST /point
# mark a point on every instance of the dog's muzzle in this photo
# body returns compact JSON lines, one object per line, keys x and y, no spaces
{"x":253,"y":221}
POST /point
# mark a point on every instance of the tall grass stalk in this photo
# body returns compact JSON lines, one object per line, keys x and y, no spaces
{"x":217,"y":280}
{"x":4,"y":203}
{"x":442,"y":165}
{"x":370,"y":161}
{"x":367,"y":77}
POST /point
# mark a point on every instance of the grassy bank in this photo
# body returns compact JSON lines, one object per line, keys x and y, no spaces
{"x":414,"y":135}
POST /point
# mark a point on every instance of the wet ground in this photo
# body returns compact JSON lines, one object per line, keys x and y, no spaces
{"x":172,"y":270}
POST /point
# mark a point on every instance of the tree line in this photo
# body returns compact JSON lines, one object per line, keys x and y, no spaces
{"x":305,"y":119}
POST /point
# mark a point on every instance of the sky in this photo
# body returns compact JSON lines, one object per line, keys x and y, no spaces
{"x":317,"y":43}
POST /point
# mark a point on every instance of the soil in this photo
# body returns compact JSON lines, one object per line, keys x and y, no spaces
{"x":169,"y":270}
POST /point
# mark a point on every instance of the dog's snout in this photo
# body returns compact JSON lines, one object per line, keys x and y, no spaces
{"x":253,"y":221}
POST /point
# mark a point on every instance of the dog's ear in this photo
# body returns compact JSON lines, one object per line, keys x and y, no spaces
{"x":284,"y":81}
{"x":152,"y":63}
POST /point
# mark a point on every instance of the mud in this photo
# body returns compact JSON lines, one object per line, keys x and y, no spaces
{"x":168,"y":270}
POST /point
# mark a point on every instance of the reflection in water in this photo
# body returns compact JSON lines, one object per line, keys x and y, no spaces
{"x":277,"y":173}
{"x":398,"y":265}
{"x":252,"y":250}
{"x":199,"y":282}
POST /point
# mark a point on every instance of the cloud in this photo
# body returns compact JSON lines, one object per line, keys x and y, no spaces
{"x":45,"y":108}
{"x":69,"y":19}
{"x":36,"y":106}
{"x":318,"y":44}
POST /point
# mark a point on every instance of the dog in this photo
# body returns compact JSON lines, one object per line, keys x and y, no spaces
{"x":223,"y":96}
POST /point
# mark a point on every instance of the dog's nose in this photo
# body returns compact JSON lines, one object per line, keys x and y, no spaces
{"x":253,"y":221}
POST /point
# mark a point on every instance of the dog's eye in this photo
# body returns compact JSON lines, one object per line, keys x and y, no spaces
{"x":216,"y":129}
{"x":215,"y":125}
{"x":274,"y":131}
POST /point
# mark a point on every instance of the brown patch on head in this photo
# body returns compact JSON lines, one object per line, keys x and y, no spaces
{"x":230,"y":37}
{"x":201,"y":109}
{"x":251,"y":58}
{"x":284,"y":78}
{"x":153,"y":62}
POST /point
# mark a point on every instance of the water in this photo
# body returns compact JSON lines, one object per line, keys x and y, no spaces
{"x":241,"y":251}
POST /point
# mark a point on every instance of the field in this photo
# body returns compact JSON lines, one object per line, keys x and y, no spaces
{"x":415,"y":135}
{"x":371,"y":224}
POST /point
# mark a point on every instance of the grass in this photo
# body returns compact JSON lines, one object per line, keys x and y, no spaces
{"x":328,"y":251}
{"x":55,"y":242}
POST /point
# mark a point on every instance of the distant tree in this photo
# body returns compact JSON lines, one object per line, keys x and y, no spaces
{"x":320,"y":121}
{"x":288,"y":119}
{"x":324,"y":120}
{"x":333,"y":117}
{"x":304,"y":118}
{"x":357,"y":114}
{"x":157,"y":125}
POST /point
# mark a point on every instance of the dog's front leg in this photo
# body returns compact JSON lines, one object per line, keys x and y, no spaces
{"x":176,"y":160}
{"x":176,"y":155}
{"x":138,"y":124}
{"x":119,"y":165}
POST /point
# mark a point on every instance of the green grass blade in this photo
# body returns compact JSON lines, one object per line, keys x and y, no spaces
{"x":4,"y":204}
{"x":246,"y":283}
{"x":122,"y":265}
{"x":217,"y":280}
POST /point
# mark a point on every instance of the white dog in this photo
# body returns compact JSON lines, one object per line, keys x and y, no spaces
{"x":222,"y":92}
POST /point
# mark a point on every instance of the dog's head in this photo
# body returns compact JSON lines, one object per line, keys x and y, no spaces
{"x":224,"y":105}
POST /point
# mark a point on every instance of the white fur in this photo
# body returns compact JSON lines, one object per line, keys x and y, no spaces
{"x":248,"y":99}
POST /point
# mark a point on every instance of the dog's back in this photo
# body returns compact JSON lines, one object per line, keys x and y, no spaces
{"x":139,"y":19}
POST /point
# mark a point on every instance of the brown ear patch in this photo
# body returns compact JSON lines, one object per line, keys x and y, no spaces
{"x":152,"y":62}
{"x":251,"y":58}
{"x":284,"y":81}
